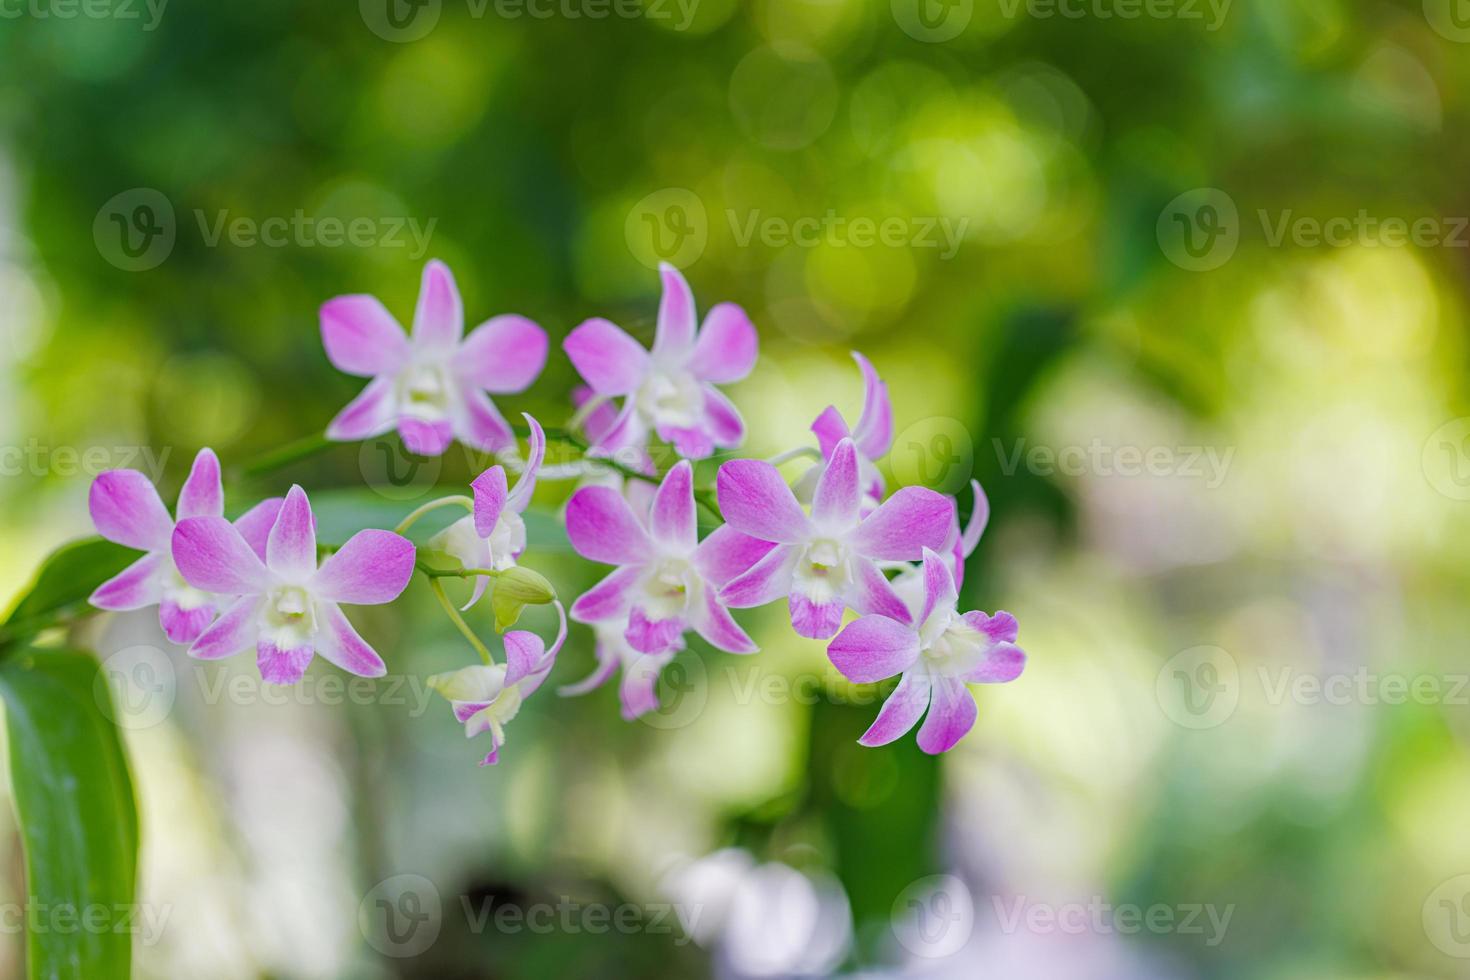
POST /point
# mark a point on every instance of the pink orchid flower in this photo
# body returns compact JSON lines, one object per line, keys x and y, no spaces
{"x":494,"y":536}
{"x":671,"y":390}
{"x":667,"y":580}
{"x":288,"y":607}
{"x":486,"y":698}
{"x":960,"y":545}
{"x":433,"y":386}
{"x":638,"y":690}
{"x":826,"y":563}
{"x":947,"y":650}
{"x":873,"y":437}
{"x":126,"y":509}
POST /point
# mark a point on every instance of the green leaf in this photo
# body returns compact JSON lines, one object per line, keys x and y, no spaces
{"x":78,"y":822}
{"x":66,"y":578}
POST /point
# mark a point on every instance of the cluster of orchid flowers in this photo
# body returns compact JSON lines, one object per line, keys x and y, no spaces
{"x":830,"y":542}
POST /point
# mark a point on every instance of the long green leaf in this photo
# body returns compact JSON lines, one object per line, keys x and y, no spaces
{"x":66,"y":578}
{"x":78,"y":822}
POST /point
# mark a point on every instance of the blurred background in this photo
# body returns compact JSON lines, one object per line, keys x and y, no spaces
{"x":1182,"y":283}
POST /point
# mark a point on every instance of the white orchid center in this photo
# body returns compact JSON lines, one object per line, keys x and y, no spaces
{"x":669,"y":588}
{"x":289,"y":616}
{"x":823,"y":573}
{"x":950,"y":645}
{"x":667,"y":398}
{"x":179,"y":592}
{"x":425,"y":391}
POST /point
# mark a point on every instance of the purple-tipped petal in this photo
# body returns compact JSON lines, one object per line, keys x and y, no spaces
{"x":1003,"y":663}
{"x":126,"y":509}
{"x":951,"y":715}
{"x":602,"y":527}
{"x":607,"y":599}
{"x":340,"y":644}
{"x":835,"y":503}
{"x":766,"y":581}
{"x":183,"y":626}
{"x":212,"y":556}
{"x":520,"y":497}
{"x":691,"y":443}
{"x":600,"y":420}
{"x":532,"y":682}
{"x":939,"y":586}
{"x":523,"y":653}
{"x":756,"y":501}
{"x":674,"y":334}
{"x":424,"y":438}
{"x":132,"y":588}
{"x":830,"y":428}
{"x":361,"y":337}
{"x":718,"y":628}
{"x":255,"y":524}
{"x":290,"y":549}
{"x":872,"y":593}
{"x":653,"y":635}
{"x":372,"y":568}
{"x":202,"y":494}
{"x":606,"y":667}
{"x":638,"y":691}
{"x":815,"y":620}
{"x":281,"y":665}
{"x":503,"y":355}
{"x":727,"y":346}
{"x":490,"y":493}
{"x":234,"y":631}
{"x":873,"y":648}
{"x":722,"y":419}
{"x":1001,"y":628}
{"x":371,"y":413}
{"x":479,"y":424}
{"x":905,"y":524}
{"x":979,"y":518}
{"x":673,"y":522}
{"x":874,"y":432}
{"x":900,"y":712}
{"x":438,"y":320}
{"x":609,"y":360}
{"x":727,"y":553}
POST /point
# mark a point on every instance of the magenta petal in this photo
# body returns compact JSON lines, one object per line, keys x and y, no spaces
{"x":126,"y":509}
{"x":438,"y":320}
{"x":871,"y":592}
{"x":905,"y":524}
{"x":608,"y":599}
{"x":719,"y":629}
{"x":422,"y":438}
{"x":503,"y":355}
{"x":722,"y":419}
{"x":279,"y":665}
{"x":610,"y":361}
{"x":520,"y":497}
{"x":132,"y":588}
{"x":212,"y":556}
{"x":815,"y":620}
{"x":835,"y":503}
{"x":653,"y":635}
{"x":1001,"y":628}
{"x":181,"y":625}
{"x":979,"y":518}
{"x":234,"y":631}
{"x":607,"y":665}
{"x":874,"y":432}
{"x":602,"y":527}
{"x":900,"y":712}
{"x":830,"y":428}
{"x":1003,"y":663}
{"x":255,"y":524}
{"x":674,"y":334}
{"x":202,"y":494}
{"x":691,"y":443}
{"x":361,"y":337}
{"x":598,"y":422}
{"x":639,"y":688}
{"x":767,"y":580}
{"x":340,"y":644}
{"x":727,"y":345}
{"x":523,"y":653}
{"x":727,"y":553}
{"x":290,"y":549}
{"x":370,"y":414}
{"x":951,"y":715}
{"x":939,"y":586}
{"x":545,"y":657}
{"x":490,"y":493}
{"x":478,"y":423}
{"x":673,"y":521}
{"x":756,"y":501}
{"x":372,"y":568}
{"x":873,"y":648}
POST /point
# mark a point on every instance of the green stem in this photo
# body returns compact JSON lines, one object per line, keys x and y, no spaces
{"x":584,"y":447}
{"x":433,"y":505}
{"x":459,"y":622}
{"x":291,"y":452}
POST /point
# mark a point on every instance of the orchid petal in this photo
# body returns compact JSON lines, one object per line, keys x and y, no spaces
{"x":815,"y":620}
{"x":653,"y":635}
{"x":372,"y":413}
{"x":609,"y":360}
{"x":1001,"y":628}
{"x":212,"y":556}
{"x":290,"y":549}
{"x":951,"y":715}
{"x":874,"y":432}
{"x":722,"y":419}
{"x":478,"y":423}
{"x":183,"y":626}
{"x":904,"y":525}
{"x":835,"y":503}
{"x":672,"y":521}
{"x":606,"y":667}
{"x":503,"y":355}
{"x":372,"y":568}
{"x":872,"y":593}
{"x":202,"y":494}
{"x":339,"y":643}
{"x":520,"y":497}
{"x":361,"y":337}
{"x":900,"y":712}
{"x":234,"y":631}
{"x":424,"y":438}
{"x":1003,"y":663}
{"x":689,"y":442}
{"x":126,"y":508}
{"x":607,"y":599}
{"x":282,"y":665}
{"x":756,"y":501}
{"x":727,"y":346}
{"x":727,"y":553}
{"x":523,"y":653}
{"x":438,"y":319}
{"x":490,"y":496}
{"x":939,"y":586}
{"x":134,"y":587}
{"x":674,"y":334}
{"x":766,"y":581}
{"x":602,"y":527}
{"x":714,"y":623}
{"x":830,"y":428}
{"x":255,"y":524}
{"x":873,"y":648}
